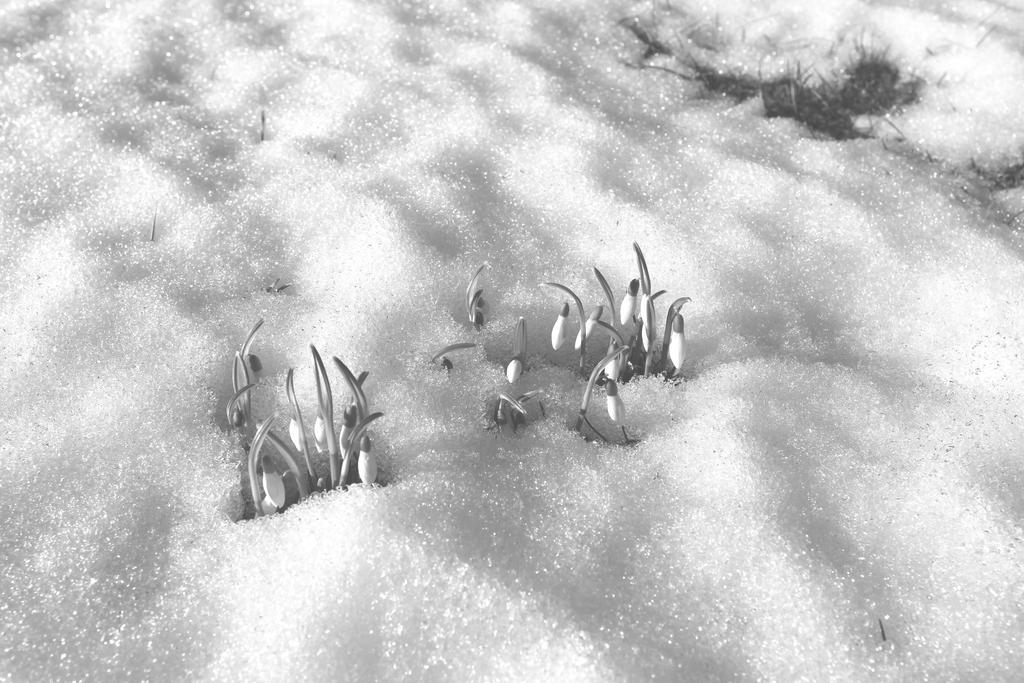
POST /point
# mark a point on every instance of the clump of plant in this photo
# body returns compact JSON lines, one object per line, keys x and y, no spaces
{"x":511,"y":408}
{"x":813,"y":102}
{"x":632,"y":347}
{"x":276,"y":479}
{"x":1007,"y":177}
{"x":871,"y":83}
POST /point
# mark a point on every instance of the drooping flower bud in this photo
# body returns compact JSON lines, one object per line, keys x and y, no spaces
{"x":320,"y":433}
{"x":616,"y":408}
{"x":558,"y":330}
{"x":237,"y":417}
{"x":588,"y":326}
{"x":273,"y":483}
{"x":614,"y":367}
{"x":677,"y":343}
{"x":514,"y":370}
{"x":348,"y":425}
{"x":595,"y":315}
{"x":367,"y":462}
{"x":628,"y":308}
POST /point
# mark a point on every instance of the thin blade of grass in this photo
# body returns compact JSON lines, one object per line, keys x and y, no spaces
{"x":233,"y":399}
{"x":641,"y":263}
{"x":612,"y":331}
{"x":253,"y":458}
{"x":323,"y":388}
{"x":289,"y":459}
{"x":450,"y":348}
{"x":607,"y":292}
{"x":289,"y":385}
{"x":513,"y":403}
{"x":470,"y":288}
{"x":248,"y":340}
{"x":519,"y":340}
{"x":353,"y":386}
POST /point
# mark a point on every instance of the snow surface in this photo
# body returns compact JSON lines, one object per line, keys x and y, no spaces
{"x":844,"y":456}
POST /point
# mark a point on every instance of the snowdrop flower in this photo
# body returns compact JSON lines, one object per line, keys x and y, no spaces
{"x":273,"y":484}
{"x":558,"y":329}
{"x":320,"y":433}
{"x":514,"y":370}
{"x":296,"y":435}
{"x":628,"y":308}
{"x":677,"y":343}
{"x":616,"y":408}
{"x":588,"y":326}
{"x":349,"y":424}
{"x":367,"y":462}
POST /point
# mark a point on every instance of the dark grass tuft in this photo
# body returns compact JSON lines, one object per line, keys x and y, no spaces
{"x":737,"y":86}
{"x":816,"y":105}
{"x":1006,"y":178}
{"x":871,"y":84}
{"x":874,"y":85}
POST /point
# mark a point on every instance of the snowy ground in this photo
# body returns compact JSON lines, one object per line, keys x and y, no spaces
{"x":845,"y":455}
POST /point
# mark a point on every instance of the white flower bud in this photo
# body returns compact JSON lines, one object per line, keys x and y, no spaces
{"x":514,"y":370}
{"x":628,"y":308}
{"x":648,"y":321}
{"x":320,"y":433}
{"x":677,"y":343}
{"x":295,"y":432}
{"x":273,"y":484}
{"x":616,"y":408}
{"x":588,"y":326}
{"x":558,"y":330}
{"x":595,"y":315}
{"x":614,"y":367}
{"x":348,"y":424}
{"x":367,"y":462}
{"x":267,"y":506}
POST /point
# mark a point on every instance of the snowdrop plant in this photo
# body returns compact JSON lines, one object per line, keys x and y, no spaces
{"x":673,"y":347}
{"x":243,"y":370}
{"x":275,"y":478}
{"x":616,"y":407}
{"x":508,"y":409}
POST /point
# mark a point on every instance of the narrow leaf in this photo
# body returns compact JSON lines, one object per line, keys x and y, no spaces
{"x":607,"y":292}
{"x":450,"y":348}
{"x":470,"y":288}
{"x":353,"y":386}
{"x":645,"y":275}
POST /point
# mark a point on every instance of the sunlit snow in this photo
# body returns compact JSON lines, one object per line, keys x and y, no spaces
{"x":834,"y":491}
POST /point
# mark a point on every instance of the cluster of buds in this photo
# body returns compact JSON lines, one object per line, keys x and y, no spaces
{"x":634,"y":319}
{"x":277,"y":482}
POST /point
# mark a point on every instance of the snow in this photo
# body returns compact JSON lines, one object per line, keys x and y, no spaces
{"x":844,"y":455}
